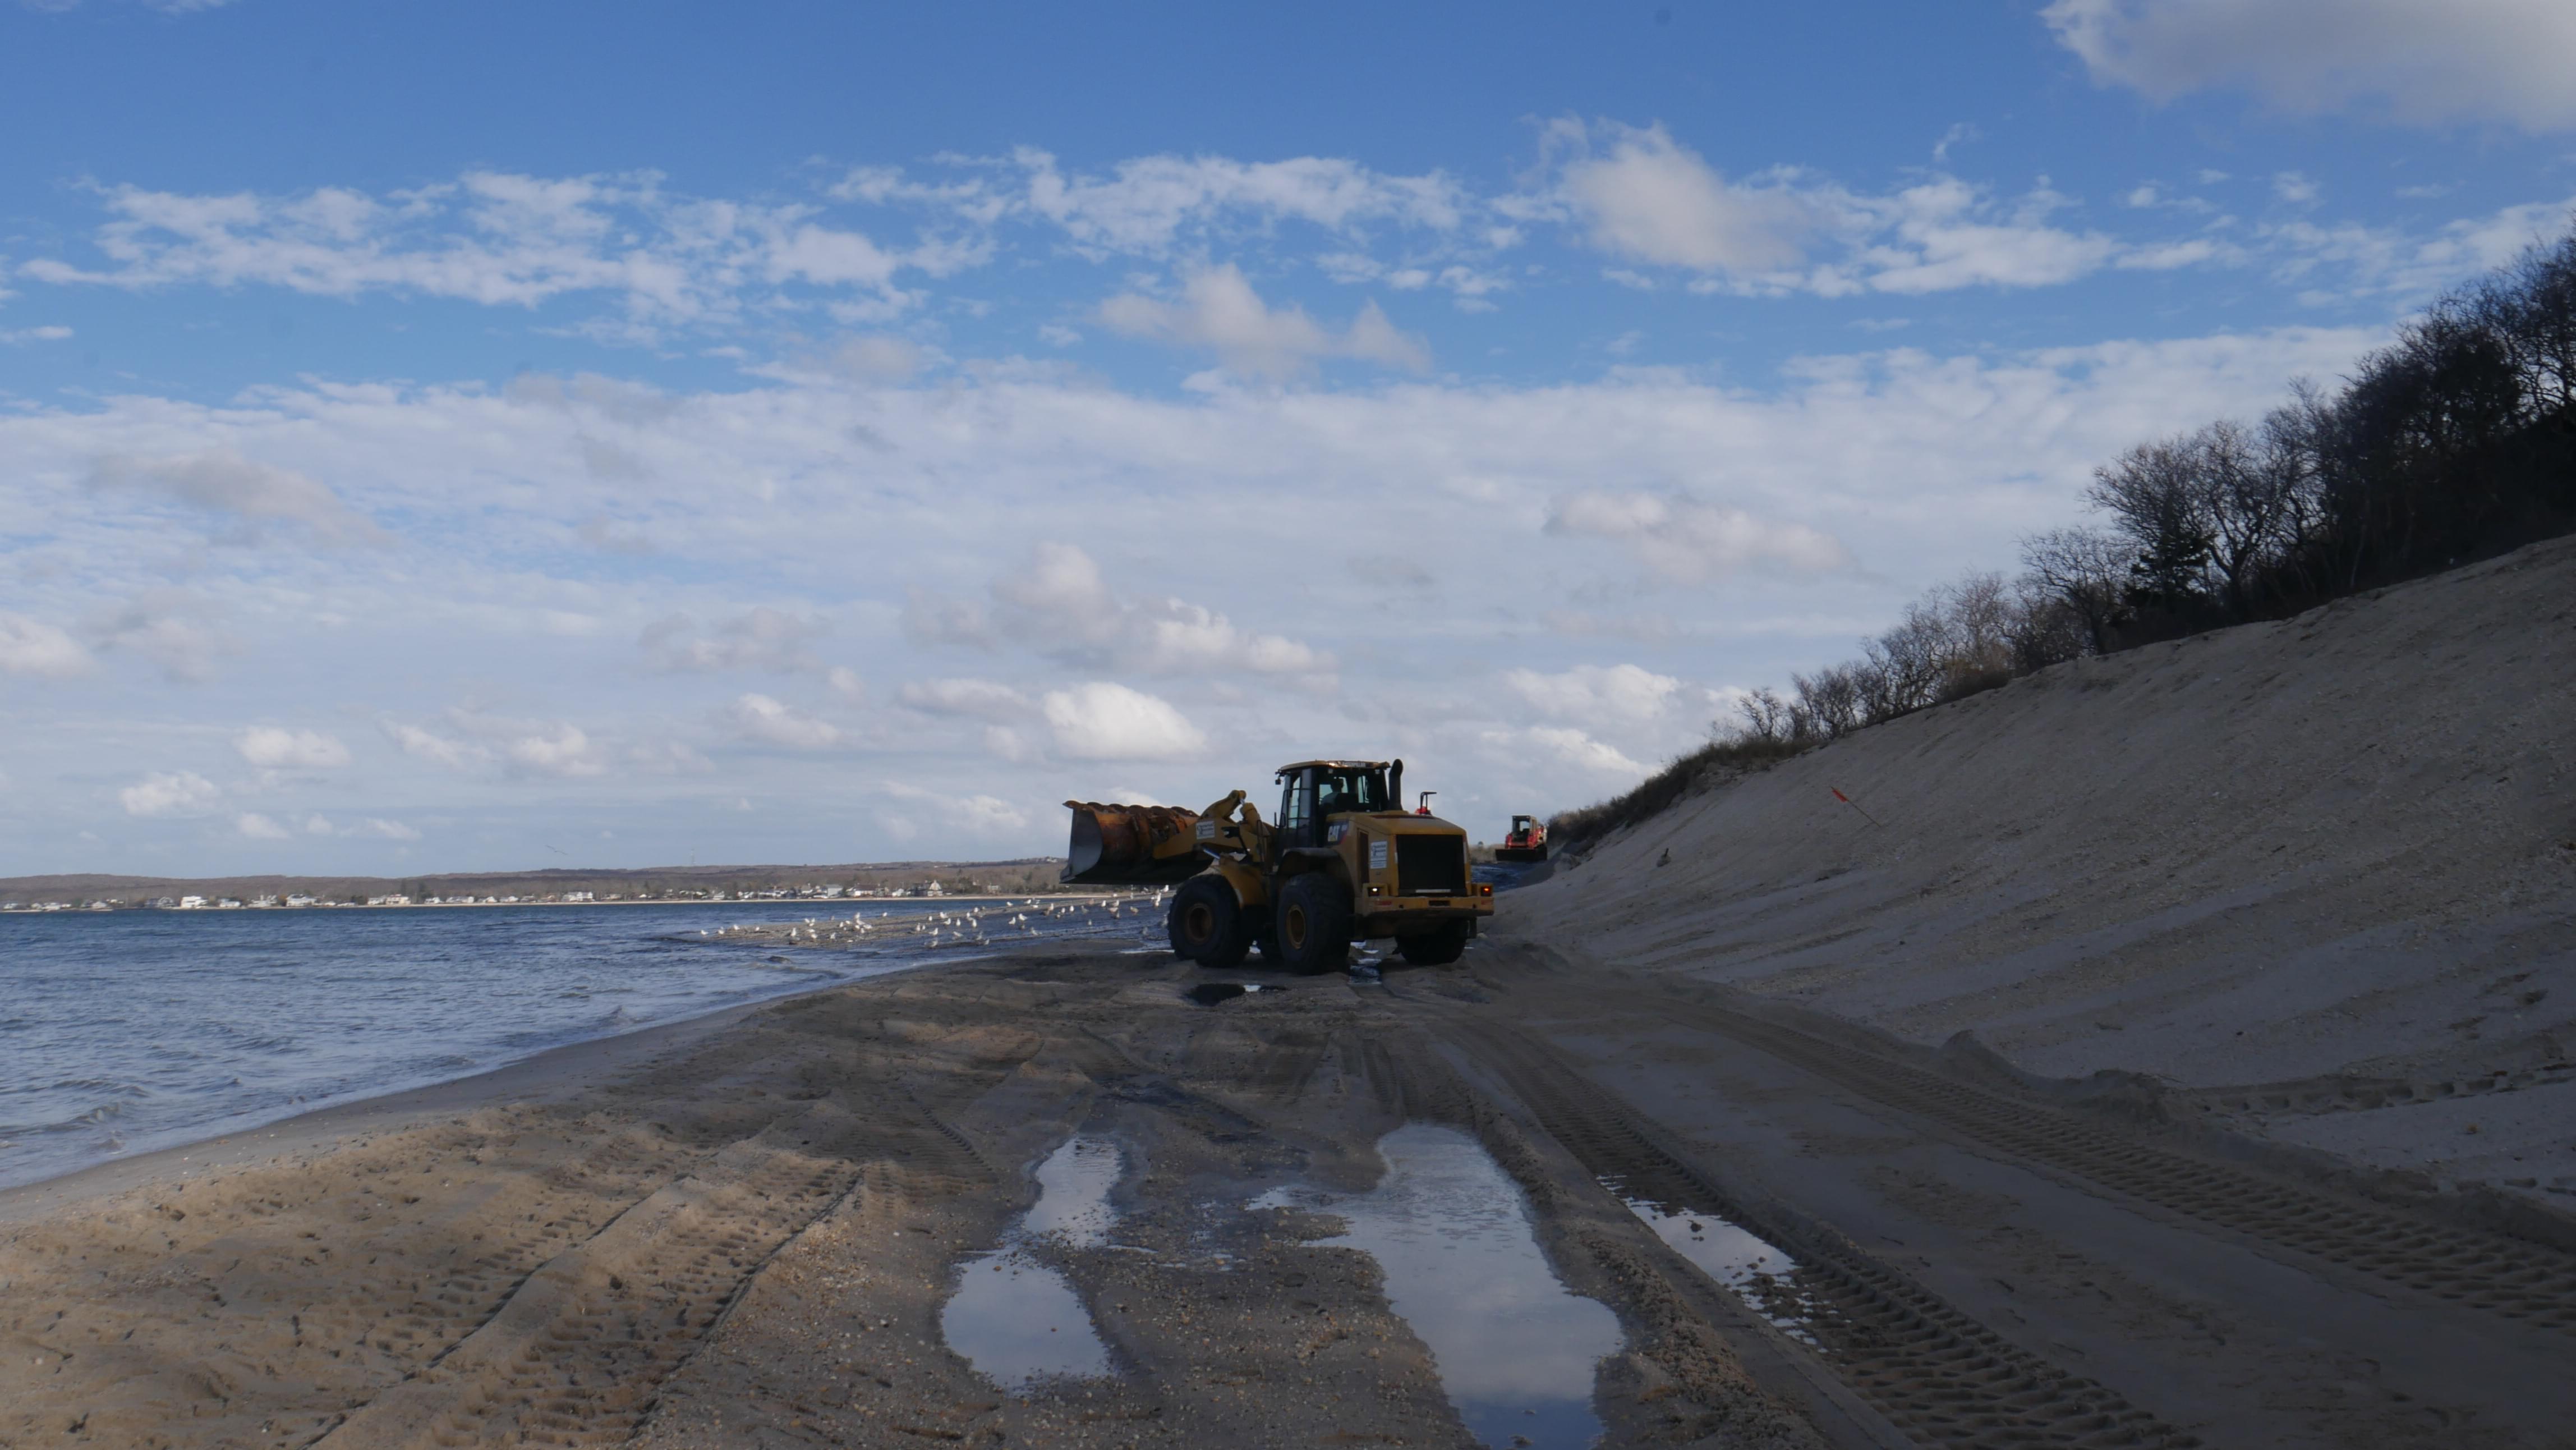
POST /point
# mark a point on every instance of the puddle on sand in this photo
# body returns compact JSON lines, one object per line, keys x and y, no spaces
{"x":1017,"y":1320}
{"x":1757,"y":1270}
{"x":1517,"y":1352}
{"x":1208,"y":994}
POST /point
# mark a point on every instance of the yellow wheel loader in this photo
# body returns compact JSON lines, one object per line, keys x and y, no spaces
{"x":1344,"y":861}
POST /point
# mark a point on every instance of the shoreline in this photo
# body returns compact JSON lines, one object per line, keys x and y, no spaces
{"x":500,"y":905}
{"x":547,"y":1072}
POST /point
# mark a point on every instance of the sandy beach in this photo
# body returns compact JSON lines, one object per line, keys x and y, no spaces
{"x":743,"y":1230}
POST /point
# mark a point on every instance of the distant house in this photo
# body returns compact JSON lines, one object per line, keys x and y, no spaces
{"x":228,"y":903}
{"x":299,"y":899}
{"x":192,"y":903}
{"x":263,"y":901}
{"x":164,"y":902}
{"x":579,"y":896}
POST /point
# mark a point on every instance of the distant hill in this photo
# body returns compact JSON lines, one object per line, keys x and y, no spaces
{"x":1024,"y":876}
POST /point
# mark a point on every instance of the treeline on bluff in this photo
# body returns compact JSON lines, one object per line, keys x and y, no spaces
{"x":2456,"y":442}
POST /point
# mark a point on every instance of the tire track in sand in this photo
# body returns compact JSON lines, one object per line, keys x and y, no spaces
{"x":1933,"y":1371}
{"x":578,"y":1352}
{"x":2512,"y":1278}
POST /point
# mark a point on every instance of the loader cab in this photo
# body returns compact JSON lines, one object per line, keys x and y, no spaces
{"x":1314,"y":791}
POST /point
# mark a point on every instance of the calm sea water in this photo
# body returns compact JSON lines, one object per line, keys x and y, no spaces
{"x":128,"y":1031}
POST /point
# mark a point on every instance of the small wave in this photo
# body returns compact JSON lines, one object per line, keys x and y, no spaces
{"x":102,"y":1085}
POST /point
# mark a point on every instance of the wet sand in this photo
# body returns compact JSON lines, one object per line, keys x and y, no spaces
{"x":748,"y":1230}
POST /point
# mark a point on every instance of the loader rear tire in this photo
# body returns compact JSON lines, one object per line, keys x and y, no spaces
{"x":1436,"y":948}
{"x":1207,"y":924}
{"x":1313,"y":933}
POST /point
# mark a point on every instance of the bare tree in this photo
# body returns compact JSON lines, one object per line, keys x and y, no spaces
{"x":2085,"y":570}
{"x":1829,"y":702}
{"x":1768,"y":719}
{"x":2156,"y":496}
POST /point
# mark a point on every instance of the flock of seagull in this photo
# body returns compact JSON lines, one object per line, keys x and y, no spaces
{"x":978,"y":926}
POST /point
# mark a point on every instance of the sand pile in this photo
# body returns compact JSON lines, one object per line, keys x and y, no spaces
{"x":2318,"y":875}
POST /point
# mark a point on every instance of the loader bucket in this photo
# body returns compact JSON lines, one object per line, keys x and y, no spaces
{"x":1117,"y":845}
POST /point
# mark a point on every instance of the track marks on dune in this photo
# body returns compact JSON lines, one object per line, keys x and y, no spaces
{"x":2514,"y":1279}
{"x":579,"y":1350}
{"x":1935,"y":1372}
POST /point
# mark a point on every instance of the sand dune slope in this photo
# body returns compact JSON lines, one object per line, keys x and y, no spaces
{"x":2332,"y":858}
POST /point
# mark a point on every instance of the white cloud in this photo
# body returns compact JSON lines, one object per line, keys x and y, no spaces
{"x":1581,"y":751}
{"x":1245,"y":502}
{"x":1058,"y":602}
{"x":981,"y":699}
{"x":558,"y":750}
{"x":20,"y":336}
{"x":224,"y":481}
{"x":775,"y":722}
{"x":978,"y":815}
{"x":1104,"y":721}
{"x":1689,"y":540}
{"x":260,"y":828}
{"x":845,"y":682}
{"x":2295,"y":189}
{"x":1149,"y":201}
{"x":1179,"y":639}
{"x":173,"y":628}
{"x":1944,"y":235}
{"x":33,"y":647}
{"x":1220,"y":312}
{"x":2336,"y":261}
{"x":878,"y":359}
{"x":1643,"y":197}
{"x":1061,"y":596}
{"x":2492,"y":60}
{"x":1598,"y":695}
{"x":1646,"y":197}
{"x":170,"y":793}
{"x":561,"y":749}
{"x":320,"y":825}
{"x":275,"y":748}
{"x":757,"y":639}
{"x":420,"y":744}
{"x":501,"y":239}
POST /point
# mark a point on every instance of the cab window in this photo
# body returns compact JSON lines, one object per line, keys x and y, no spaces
{"x":1297,"y":805}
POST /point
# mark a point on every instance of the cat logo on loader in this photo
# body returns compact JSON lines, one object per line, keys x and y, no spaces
{"x":1344,"y":861}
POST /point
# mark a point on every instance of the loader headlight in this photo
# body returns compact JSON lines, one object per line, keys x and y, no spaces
{"x":1484,"y":888}
{"x":1377,"y":891}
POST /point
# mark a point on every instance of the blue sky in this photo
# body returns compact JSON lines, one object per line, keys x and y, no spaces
{"x":475,"y":436}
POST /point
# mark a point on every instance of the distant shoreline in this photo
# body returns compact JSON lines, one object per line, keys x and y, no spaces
{"x":499,"y":905}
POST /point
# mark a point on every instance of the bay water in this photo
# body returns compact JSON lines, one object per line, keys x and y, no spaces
{"x":122,"y":1032}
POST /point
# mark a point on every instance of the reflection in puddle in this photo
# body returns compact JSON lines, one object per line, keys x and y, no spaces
{"x":1758,"y":1272}
{"x":1073,"y":1194}
{"x":1208,"y":994}
{"x":1516,"y":1351}
{"x":1018,"y":1320}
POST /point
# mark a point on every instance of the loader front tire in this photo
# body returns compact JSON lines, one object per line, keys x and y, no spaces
{"x":1436,"y":948}
{"x":1313,"y":933}
{"x":1207,"y":925}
